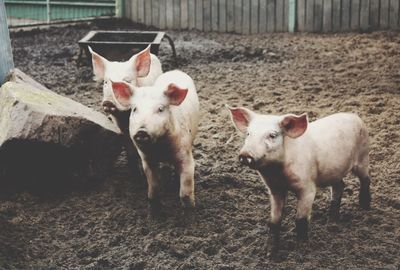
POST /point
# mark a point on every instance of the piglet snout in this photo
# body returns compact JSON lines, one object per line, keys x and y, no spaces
{"x":246,"y":159}
{"x":141,"y":136}
{"x":109,"y":107}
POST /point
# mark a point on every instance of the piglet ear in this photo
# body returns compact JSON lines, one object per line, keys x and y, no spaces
{"x":99,"y":65}
{"x":142,"y":62}
{"x":122,"y":93}
{"x":175,"y":94}
{"x":241,"y":117}
{"x":293,"y":125}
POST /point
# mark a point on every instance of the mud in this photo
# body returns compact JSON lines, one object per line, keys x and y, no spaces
{"x":106,"y":226}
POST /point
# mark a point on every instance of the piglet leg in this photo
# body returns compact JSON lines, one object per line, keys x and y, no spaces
{"x":277,"y":204}
{"x":336,"y":199}
{"x":304,"y":206}
{"x":186,"y":175}
{"x":153,"y":185}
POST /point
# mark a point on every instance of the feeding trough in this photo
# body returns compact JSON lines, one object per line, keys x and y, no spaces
{"x":121,"y":45}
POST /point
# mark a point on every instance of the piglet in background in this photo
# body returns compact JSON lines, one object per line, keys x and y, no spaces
{"x":163,"y":125}
{"x":142,"y":69}
{"x":291,"y":154}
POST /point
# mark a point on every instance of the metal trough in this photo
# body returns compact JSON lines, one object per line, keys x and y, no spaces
{"x":121,"y":45}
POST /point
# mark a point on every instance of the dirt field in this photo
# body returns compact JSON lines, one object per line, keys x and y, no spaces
{"x":107,"y":227}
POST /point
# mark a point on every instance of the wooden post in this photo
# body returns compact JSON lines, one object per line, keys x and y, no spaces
{"x":6,"y":59}
{"x":119,"y":8}
{"x":292,"y":16}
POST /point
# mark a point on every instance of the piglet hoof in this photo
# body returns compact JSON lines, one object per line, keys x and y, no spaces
{"x":155,"y":208}
{"x":187,"y":202}
{"x":365,"y":200}
{"x":273,"y":240}
{"x":302,"y":230}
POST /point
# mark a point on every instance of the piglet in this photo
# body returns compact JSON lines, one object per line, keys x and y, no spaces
{"x":163,"y":125}
{"x":291,"y":154}
{"x":142,"y":69}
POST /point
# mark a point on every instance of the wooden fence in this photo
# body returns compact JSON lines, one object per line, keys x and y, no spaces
{"x":260,"y":16}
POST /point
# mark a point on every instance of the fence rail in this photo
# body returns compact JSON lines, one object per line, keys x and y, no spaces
{"x":260,"y":16}
{"x":23,"y":12}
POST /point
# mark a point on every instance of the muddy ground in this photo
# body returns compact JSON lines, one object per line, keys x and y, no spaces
{"x":106,"y":226}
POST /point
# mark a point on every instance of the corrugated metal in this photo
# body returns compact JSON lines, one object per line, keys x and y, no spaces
{"x":35,"y":11}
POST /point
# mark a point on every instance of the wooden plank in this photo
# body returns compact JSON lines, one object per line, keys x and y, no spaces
{"x":310,"y":15}
{"x":214,"y":15}
{"x":246,"y":17}
{"x":327,"y":17}
{"x":192,"y":14}
{"x":364,"y":15}
{"x":199,"y":15}
{"x":6,"y":59}
{"x":345,"y":20}
{"x":238,"y":16}
{"x":230,"y":15}
{"x":177,"y":14}
{"x":270,"y":15}
{"x":355,"y":15}
{"x":163,"y":14}
{"x":207,"y":15}
{"x":374,"y":14}
{"x":147,"y":12}
{"x":262,"y":28}
{"x":318,"y":15}
{"x":134,"y":10}
{"x":336,"y":15}
{"x":141,"y":11}
{"x":184,"y":14}
{"x":384,"y":16}
{"x":394,"y":14}
{"x":254,"y":9}
{"x":285,"y":16}
{"x":169,"y":14}
{"x":127,"y":9}
{"x":155,"y":6}
{"x":222,"y":9}
{"x":279,"y":15}
{"x":301,"y":15}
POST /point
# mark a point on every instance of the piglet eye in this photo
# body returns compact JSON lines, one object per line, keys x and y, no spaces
{"x":134,"y":109}
{"x":161,"y":108}
{"x":273,"y":135}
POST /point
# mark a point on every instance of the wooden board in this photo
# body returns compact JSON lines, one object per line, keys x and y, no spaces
{"x":271,"y":16}
{"x":384,"y":14}
{"x":355,"y":15}
{"x":301,"y":15}
{"x":147,"y":12}
{"x":238,"y":16}
{"x":285,"y":16}
{"x":336,"y":10}
{"x":318,"y":15}
{"x":230,"y":16}
{"x":262,"y":28}
{"x":246,"y":17}
{"x":374,"y":14}
{"x":310,"y":15}
{"x":155,"y":13}
{"x":222,"y":10}
{"x":141,"y":11}
{"x":214,"y":15}
{"x":254,"y":10}
{"x":134,"y":10}
{"x":394,"y":14}
{"x":199,"y":15}
{"x":207,"y":15}
{"x":279,"y":15}
{"x":191,"y":14}
{"x":185,"y":14}
{"x":345,"y":21}
{"x":163,"y":14}
{"x":169,"y":13}
{"x":177,"y":14}
{"x":364,"y":15}
{"x":327,"y":17}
